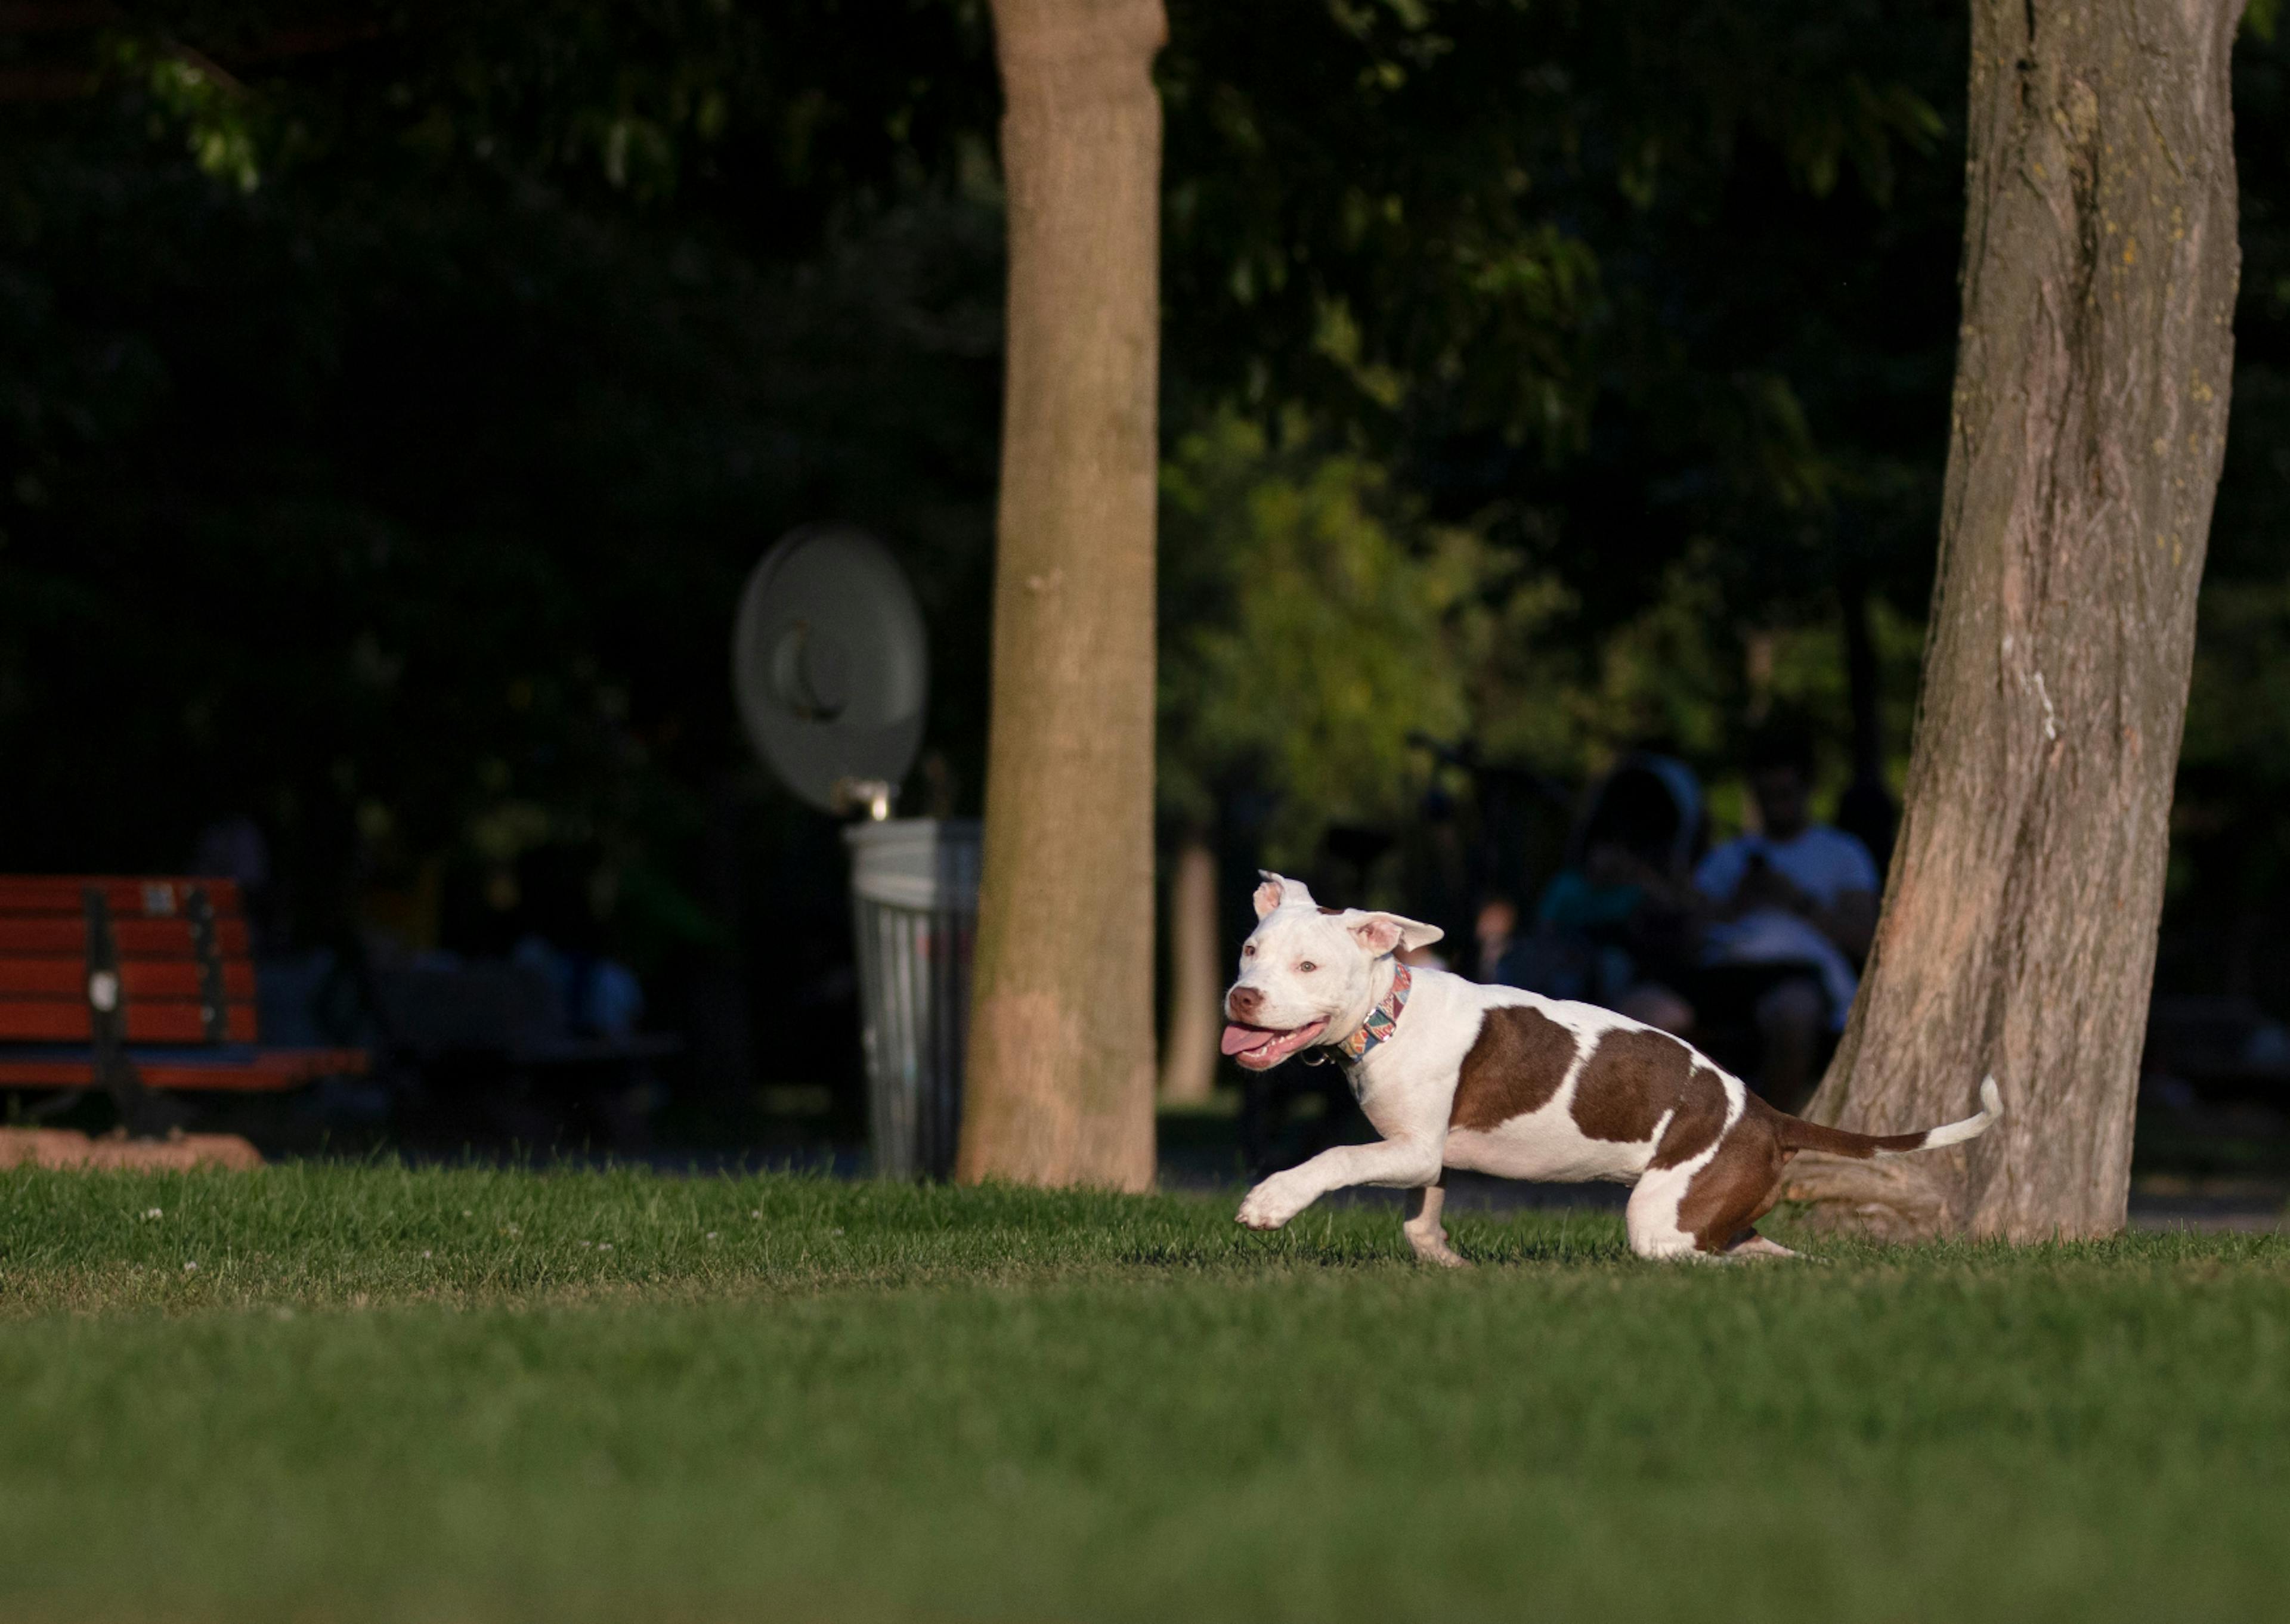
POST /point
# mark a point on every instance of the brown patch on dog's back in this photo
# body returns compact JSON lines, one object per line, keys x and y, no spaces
{"x":1701,"y":1118}
{"x":1739,"y":1185}
{"x":1515,"y":1066}
{"x":1326,"y":910}
{"x":1632,"y":1078}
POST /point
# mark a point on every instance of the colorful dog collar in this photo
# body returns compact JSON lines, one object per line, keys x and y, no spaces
{"x":1381,"y":1020}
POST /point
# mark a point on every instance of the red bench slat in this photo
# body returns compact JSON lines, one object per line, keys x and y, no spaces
{"x":128,"y":898}
{"x":40,"y":1021}
{"x":44,"y":989}
{"x":62,"y":977}
{"x":135,"y":938}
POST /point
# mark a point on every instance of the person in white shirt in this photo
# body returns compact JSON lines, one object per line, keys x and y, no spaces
{"x":1795,"y":893}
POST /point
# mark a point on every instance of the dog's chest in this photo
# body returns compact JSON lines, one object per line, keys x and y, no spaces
{"x":1404,"y":1085}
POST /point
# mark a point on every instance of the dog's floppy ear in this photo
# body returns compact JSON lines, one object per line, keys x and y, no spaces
{"x":1277,"y":892}
{"x":1383,"y":933}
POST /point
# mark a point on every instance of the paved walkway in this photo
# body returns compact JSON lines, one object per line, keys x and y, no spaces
{"x":2256,"y":1206}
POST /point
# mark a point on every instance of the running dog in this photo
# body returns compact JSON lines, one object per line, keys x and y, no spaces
{"x":1498,"y":1080}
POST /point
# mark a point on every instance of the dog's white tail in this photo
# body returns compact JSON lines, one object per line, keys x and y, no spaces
{"x":1800,"y":1135}
{"x":1991,"y":1112}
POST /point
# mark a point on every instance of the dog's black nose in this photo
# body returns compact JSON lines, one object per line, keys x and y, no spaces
{"x":1242,"y":1003}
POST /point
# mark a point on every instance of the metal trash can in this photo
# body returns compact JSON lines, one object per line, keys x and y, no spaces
{"x":914,"y":901}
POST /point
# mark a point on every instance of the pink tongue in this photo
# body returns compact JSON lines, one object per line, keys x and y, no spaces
{"x":1238,"y":1038}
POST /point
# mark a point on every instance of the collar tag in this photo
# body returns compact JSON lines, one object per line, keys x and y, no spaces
{"x":1381,"y":1020}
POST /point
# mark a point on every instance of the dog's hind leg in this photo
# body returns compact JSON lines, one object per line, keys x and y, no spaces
{"x":1651,"y":1217}
{"x":1716,"y":1207}
{"x":1424,"y":1231}
{"x":1755,"y":1245}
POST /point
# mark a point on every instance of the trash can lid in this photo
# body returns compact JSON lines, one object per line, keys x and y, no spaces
{"x":921,"y":863}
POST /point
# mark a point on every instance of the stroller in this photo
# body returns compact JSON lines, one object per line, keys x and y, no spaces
{"x":1620,"y":912}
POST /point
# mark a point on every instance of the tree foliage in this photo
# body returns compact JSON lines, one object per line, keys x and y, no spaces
{"x":1318,"y":625}
{"x":394,"y":399}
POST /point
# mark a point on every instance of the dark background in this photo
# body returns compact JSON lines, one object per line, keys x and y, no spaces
{"x":392,"y":401}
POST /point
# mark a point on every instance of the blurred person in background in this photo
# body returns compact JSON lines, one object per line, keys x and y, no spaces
{"x":1796,"y":895}
{"x":1497,"y":932}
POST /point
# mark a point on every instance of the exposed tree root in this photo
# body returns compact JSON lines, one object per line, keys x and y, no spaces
{"x":1891,"y":1200}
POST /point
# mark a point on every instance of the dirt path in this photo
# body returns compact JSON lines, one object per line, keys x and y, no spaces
{"x":62,"y":1148}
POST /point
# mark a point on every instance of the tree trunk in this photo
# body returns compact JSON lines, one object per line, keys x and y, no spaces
{"x":1059,"y":1086}
{"x":2090,"y":414}
{"x":1189,"y":1051}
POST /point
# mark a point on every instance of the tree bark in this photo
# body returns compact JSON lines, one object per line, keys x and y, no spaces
{"x":1060,"y":1083}
{"x":1189,"y":1047}
{"x":2018,"y":934}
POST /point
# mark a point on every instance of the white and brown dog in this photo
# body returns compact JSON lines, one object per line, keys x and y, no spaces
{"x":1498,"y":1080}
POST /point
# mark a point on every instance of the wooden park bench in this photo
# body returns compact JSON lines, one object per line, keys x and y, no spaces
{"x":140,"y":986}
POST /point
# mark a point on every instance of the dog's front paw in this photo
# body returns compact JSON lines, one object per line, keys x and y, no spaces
{"x":1274,"y":1202}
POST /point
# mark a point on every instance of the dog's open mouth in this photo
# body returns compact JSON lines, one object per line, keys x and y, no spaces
{"x":1261,"y":1048}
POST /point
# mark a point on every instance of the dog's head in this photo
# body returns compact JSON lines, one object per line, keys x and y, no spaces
{"x":1306,"y":973}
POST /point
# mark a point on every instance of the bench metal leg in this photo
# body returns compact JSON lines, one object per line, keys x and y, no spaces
{"x":54,"y":1104}
{"x":145,"y":1115}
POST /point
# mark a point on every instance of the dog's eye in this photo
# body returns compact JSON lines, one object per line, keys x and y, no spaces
{"x":1308,"y":966}
{"x":1248,"y":953}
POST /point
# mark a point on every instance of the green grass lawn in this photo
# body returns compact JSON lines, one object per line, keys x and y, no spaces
{"x":445,"y":1394}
